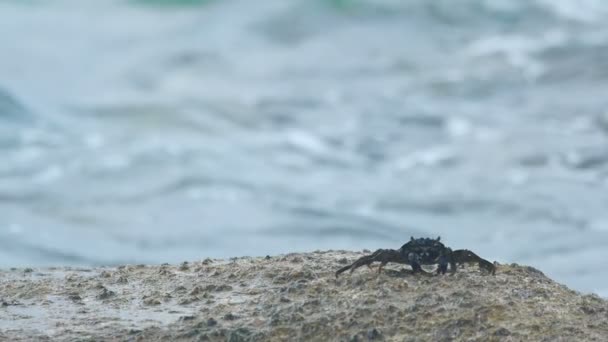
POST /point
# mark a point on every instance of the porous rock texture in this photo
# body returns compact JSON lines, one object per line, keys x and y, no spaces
{"x":294,"y":297}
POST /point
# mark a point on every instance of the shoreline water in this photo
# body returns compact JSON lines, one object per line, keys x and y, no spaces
{"x":292,"y":297}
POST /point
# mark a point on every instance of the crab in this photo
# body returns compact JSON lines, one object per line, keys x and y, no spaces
{"x":422,"y":251}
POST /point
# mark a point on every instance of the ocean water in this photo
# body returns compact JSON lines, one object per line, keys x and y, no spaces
{"x":162,"y":131}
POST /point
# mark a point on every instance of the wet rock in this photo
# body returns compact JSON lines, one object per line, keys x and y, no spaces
{"x":218,"y":288}
{"x":310,"y":304}
{"x":534,"y":271}
{"x":188,"y":300}
{"x":239,"y":335}
{"x":180,"y":289}
{"x":152,"y":301}
{"x":296,"y":260}
{"x":453,"y":329}
{"x":10,"y":303}
{"x":370,"y":300}
{"x":230,"y":316}
{"x":374,"y":334}
{"x":165,"y":271}
{"x":196,"y":291}
{"x":189,"y":334}
{"x":502,"y":332}
{"x":75,"y":297}
{"x":97,"y":286}
{"x":105,"y":294}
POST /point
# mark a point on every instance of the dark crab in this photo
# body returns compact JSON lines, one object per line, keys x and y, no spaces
{"x":422,"y":251}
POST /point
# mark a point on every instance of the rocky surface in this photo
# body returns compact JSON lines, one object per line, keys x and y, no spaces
{"x":292,"y":297}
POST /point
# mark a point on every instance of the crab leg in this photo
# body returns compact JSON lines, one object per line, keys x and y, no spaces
{"x":443,"y":263}
{"x":383,"y":256}
{"x":464,"y":255}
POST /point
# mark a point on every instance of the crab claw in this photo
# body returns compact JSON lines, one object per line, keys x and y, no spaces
{"x":465,"y":256}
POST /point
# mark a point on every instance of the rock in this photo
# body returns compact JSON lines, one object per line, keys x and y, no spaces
{"x":239,"y":335}
{"x":10,"y":303}
{"x":296,"y":297}
{"x":211,"y":322}
{"x":218,"y":288}
{"x":151,"y":301}
{"x":502,"y":332}
{"x":75,"y":297}
{"x":105,"y":294}
{"x":230,"y":316}
{"x":374,"y":334}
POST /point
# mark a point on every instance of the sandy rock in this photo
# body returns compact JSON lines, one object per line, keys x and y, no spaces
{"x":293,"y":297}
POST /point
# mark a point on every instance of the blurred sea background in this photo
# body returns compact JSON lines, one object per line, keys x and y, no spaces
{"x":163,"y":131}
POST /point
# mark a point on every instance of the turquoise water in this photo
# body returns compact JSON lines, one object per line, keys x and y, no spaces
{"x":162,"y":131}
